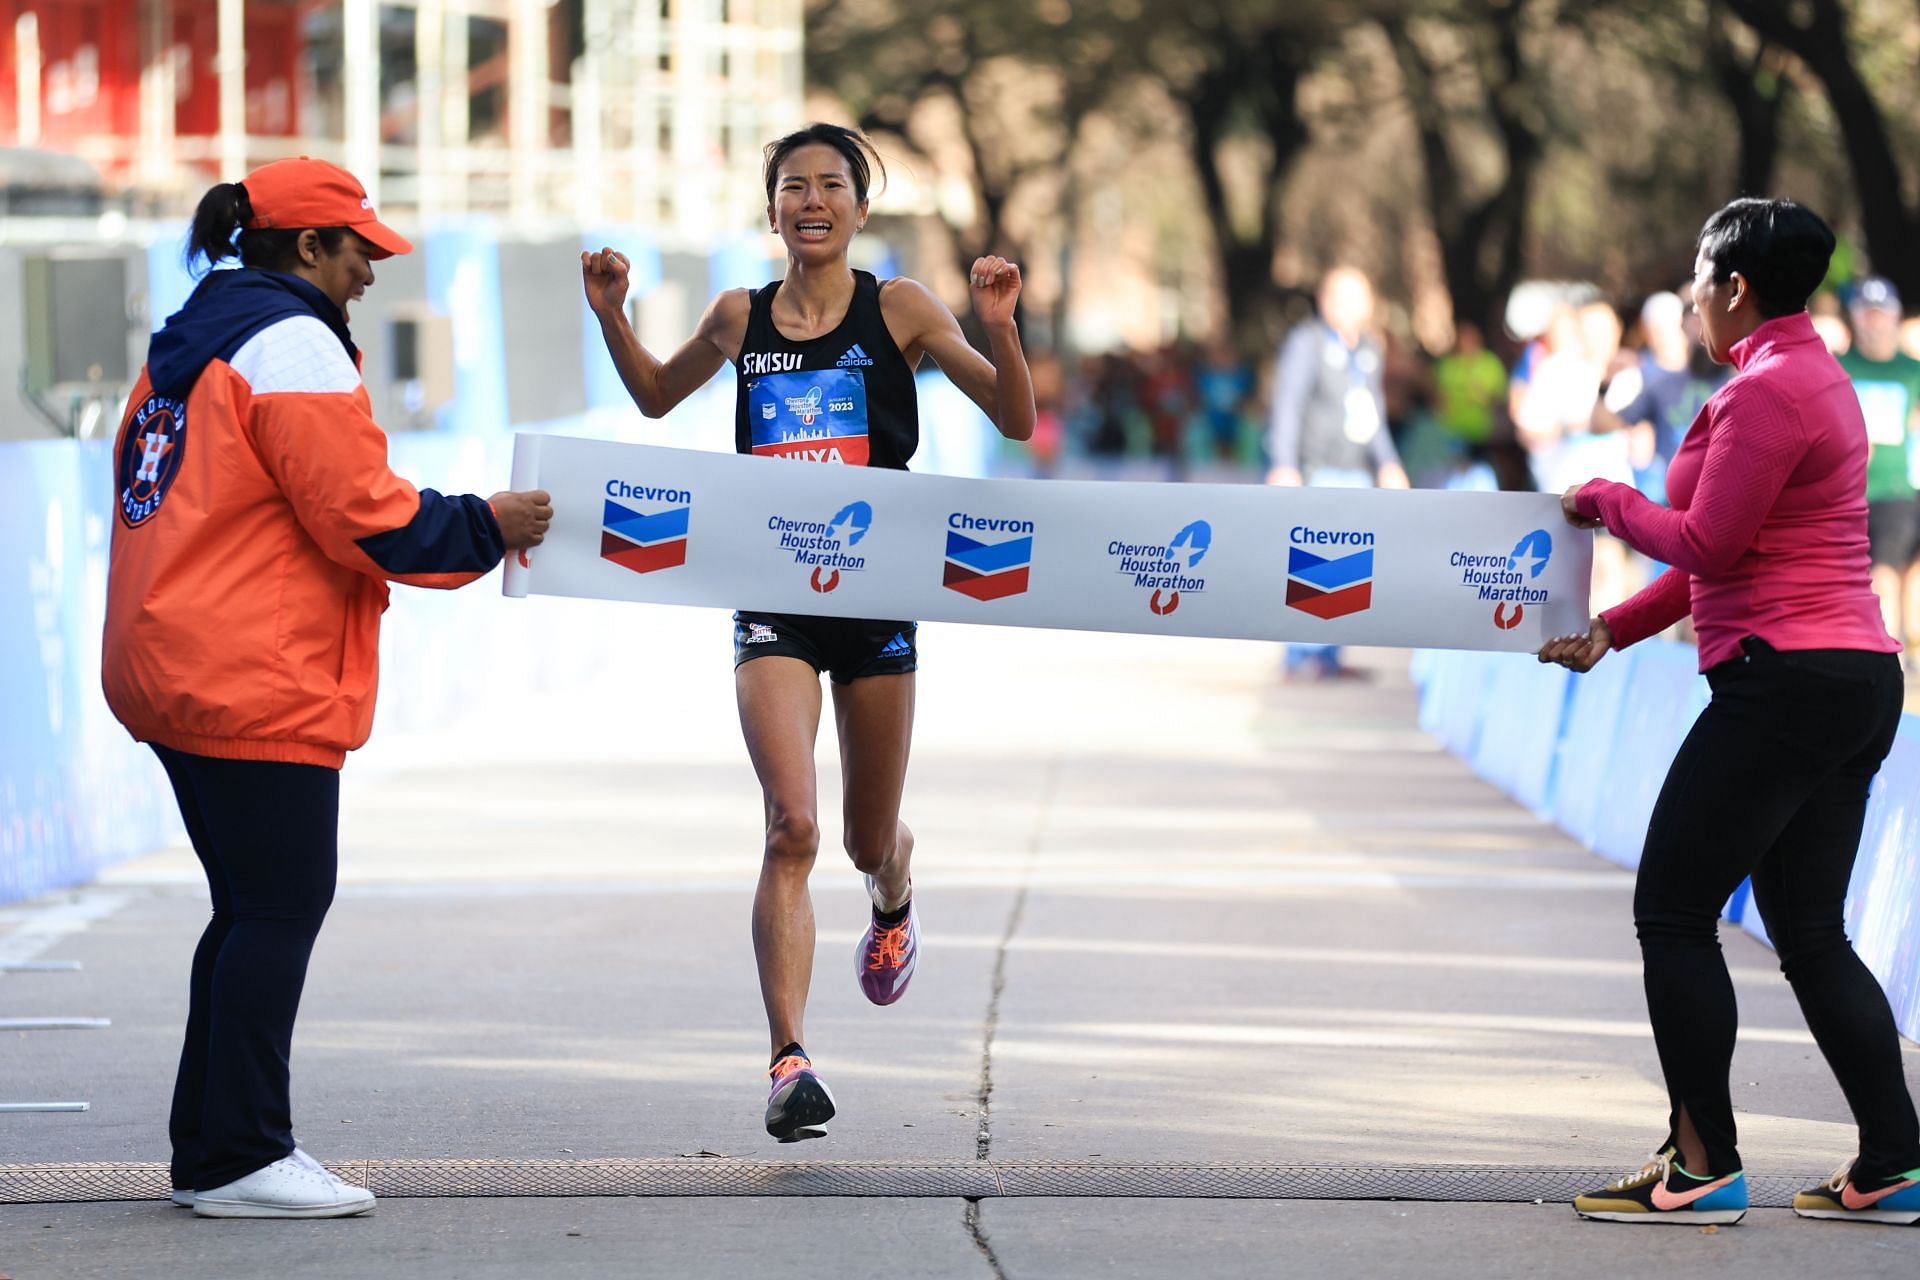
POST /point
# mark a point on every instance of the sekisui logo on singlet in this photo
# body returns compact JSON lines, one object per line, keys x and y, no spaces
{"x":150,"y":457}
{"x":816,"y":415}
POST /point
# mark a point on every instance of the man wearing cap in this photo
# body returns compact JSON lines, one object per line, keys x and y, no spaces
{"x":257,"y":528}
{"x":1888,"y":384}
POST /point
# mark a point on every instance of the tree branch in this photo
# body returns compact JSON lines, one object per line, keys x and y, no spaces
{"x":1893,"y":238}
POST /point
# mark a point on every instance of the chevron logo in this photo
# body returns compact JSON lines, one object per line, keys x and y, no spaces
{"x":988,"y":570}
{"x":645,"y":543}
{"x":1329,"y":588}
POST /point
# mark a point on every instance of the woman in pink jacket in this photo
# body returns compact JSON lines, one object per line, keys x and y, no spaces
{"x":1767,"y":536}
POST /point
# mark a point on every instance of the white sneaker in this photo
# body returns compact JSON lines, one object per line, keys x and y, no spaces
{"x":183,"y":1197}
{"x":294,"y":1187}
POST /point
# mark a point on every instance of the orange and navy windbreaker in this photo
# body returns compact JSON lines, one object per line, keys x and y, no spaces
{"x":257,"y":526}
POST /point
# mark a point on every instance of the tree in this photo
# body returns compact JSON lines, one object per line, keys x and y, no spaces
{"x":1816,"y":31}
{"x":1236,"y":69}
{"x":885,"y":59}
{"x":1749,"y":73}
{"x":1756,"y":87}
{"x":1232,"y":67}
{"x":1482,"y":238}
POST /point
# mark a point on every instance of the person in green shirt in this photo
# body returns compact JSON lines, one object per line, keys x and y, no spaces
{"x":1888,"y":384}
{"x":1468,"y":384}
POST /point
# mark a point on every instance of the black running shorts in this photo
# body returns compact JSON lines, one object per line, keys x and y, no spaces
{"x":1893,"y":527}
{"x":847,"y":649}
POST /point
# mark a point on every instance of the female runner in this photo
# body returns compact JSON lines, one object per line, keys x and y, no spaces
{"x":828,"y":327}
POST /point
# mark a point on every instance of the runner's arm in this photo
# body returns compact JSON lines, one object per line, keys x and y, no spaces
{"x":1002,"y":386}
{"x":658,"y":385}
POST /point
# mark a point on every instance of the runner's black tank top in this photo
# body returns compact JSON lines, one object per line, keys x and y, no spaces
{"x":846,"y":396}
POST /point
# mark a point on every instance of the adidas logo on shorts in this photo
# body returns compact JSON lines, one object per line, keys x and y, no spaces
{"x":853,"y":355}
{"x":897,"y":647}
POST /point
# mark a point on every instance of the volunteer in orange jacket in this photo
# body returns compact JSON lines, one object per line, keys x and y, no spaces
{"x":258,"y":526}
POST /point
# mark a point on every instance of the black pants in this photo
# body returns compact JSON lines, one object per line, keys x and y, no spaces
{"x":267,"y":836}
{"x":1772,"y":782}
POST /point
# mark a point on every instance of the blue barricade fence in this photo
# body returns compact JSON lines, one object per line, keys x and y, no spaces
{"x":76,"y":793}
{"x":1591,"y":752}
{"x":1660,"y":705}
{"x":1516,"y":754}
{"x":1585,"y":744}
{"x":1883,"y":902}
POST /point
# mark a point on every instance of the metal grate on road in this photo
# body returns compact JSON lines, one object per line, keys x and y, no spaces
{"x":973,"y":1179}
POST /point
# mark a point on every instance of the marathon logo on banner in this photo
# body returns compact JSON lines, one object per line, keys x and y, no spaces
{"x":1506,"y":580}
{"x":646,"y":530}
{"x":983,"y":569}
{"x":825,"y":546}
{"x":1165,"y":570}
{"x":1409,"y":569}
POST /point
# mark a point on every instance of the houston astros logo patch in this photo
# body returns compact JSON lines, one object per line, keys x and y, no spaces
{"x":150,"y":457}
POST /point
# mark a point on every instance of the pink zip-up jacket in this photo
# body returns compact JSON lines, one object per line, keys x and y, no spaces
{"x":1767,"y":534}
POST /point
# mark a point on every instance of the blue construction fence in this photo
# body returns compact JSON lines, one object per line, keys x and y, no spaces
{"x":1589,"y":753}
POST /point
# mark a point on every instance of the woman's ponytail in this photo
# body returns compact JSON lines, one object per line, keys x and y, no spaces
{"x":222,"y":212}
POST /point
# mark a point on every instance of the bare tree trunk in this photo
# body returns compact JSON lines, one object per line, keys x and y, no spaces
{"x":1757,"y":91}
{"x":991,"y":191}
{"x":1508,"y":98}
{"x":1892,"y":229}
{"x":1261,"y":77}
{"x":1482,"y":242}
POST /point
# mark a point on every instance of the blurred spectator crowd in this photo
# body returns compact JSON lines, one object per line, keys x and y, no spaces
{"x":1594,"y":390}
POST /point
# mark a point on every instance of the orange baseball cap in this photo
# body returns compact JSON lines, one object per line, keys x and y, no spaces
{"x":312,"y":193}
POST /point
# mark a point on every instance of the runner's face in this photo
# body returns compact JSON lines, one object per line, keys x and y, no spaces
{"x":814,"y":209}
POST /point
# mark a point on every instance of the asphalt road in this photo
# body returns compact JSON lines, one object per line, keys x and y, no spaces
{"x":1174,"y":912}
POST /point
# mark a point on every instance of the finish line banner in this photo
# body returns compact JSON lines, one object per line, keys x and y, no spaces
{"x":1422,"y":568}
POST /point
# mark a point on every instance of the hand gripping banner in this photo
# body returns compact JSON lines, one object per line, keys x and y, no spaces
{"x":1423,"y":568}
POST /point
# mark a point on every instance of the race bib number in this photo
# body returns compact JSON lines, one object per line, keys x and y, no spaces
{"x":817,"y":415}
{"x":1362,"y":417}
{"x":1885,"y":405}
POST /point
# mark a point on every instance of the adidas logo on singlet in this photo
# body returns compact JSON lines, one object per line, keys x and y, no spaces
{"x":853,"y":355}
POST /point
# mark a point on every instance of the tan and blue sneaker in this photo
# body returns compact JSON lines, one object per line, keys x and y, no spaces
{"x":1662,"y":1191}
{"x":1895,"y":1200}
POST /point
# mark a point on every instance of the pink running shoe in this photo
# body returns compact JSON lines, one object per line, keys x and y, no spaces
{"x":798,"y":1098}
{"x":885,"y":958}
